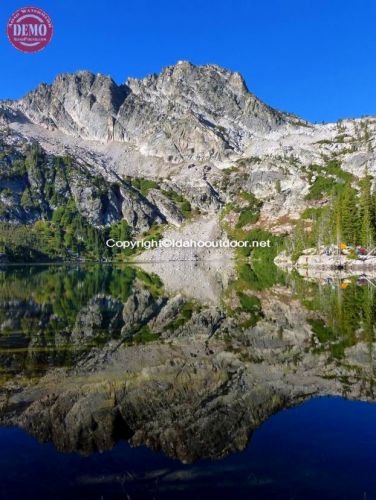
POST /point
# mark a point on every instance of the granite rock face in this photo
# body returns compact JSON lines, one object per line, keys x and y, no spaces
{"x":82,"y":104}
{"x":185,"y":113}
{"x":195,"y":130}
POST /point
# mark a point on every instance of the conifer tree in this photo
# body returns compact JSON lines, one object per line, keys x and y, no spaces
{"x":366,"y":211}
{"x":350,"y":215}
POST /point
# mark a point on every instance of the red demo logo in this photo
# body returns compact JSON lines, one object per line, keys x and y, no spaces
{"x":30,"y":29}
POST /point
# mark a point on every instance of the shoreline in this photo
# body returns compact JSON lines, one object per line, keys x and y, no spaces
{"x":325,"y":262}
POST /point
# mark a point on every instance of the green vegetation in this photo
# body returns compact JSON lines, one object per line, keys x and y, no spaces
{"x":321,"y":186}
{"x":67,"y":234}
{"x":312,"y":213}
{"x":254,"y":264}
{"x":151,"y":280}
{"x":249,"y":311}
{"x":230,"y":170}
{"x":143,"y":185}
{"x":47,"y":190}
{"x":182,"y":203}
{"x":144,"y":335}
{"x":248,"y":214}
{"x":264,"y":272}
{"x":61,"y":231}
{"x":342,"y":313}
{"x":255,"y":271}
{"x":322,"y":332}
{"x":326,"y":180}
{"x":51,"y":305}
{"x":245,"y":209}
{"x":347,"y":215}
{"x":184,"y":315}
{"x":249,"y":303}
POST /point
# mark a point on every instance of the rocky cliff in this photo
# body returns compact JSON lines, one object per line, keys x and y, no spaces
{"x":197,"y":132}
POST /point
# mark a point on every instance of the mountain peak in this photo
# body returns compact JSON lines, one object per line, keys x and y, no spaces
{"x":79,"y":104}
{"x":186,"y":112}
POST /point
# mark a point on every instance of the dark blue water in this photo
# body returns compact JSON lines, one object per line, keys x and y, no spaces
{"x":323,"y":449}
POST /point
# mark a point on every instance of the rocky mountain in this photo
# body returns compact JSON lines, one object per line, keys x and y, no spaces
{"x":185,"y":113}
{"x":155,"y":150}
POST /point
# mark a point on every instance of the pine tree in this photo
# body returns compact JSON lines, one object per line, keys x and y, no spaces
{"x":366,"y":211}
{"x":125,"y":231}
{"x":350,"y":215}
{"x":336,"y":219}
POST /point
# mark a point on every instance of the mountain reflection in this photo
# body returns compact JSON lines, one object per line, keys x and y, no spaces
{"x":92,"y":354}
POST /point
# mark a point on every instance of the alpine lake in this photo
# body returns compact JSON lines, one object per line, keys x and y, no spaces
{"x":121,"y":381}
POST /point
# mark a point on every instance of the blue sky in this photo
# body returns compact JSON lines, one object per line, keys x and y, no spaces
{"x":313,"y":58}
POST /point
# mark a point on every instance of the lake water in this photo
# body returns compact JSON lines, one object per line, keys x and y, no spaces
{"x":115,"y":385}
